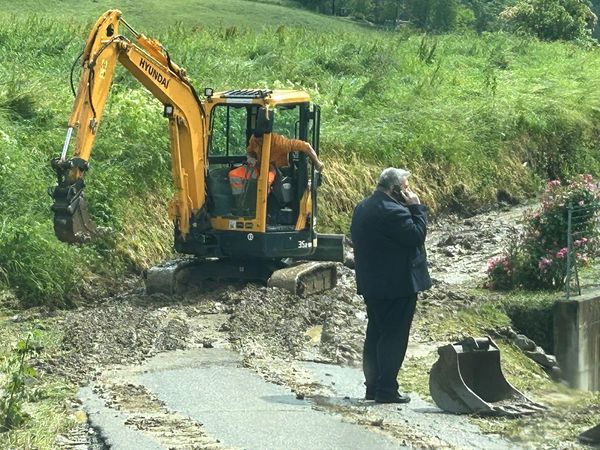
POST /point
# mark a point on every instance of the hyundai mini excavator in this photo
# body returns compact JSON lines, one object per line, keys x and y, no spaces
{"x":260,"y":233}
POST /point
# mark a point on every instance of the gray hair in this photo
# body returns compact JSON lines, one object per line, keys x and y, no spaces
{"x":392,"y":177}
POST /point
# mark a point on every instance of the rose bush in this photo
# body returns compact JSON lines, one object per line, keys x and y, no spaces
{"x":537,"y":257}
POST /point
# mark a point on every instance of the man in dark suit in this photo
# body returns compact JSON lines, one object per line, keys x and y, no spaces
{"x":388,"y":232}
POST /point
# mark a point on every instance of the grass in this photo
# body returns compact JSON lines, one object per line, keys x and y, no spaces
{"x":468,"y":115}
{"x":48,"y":396}
{"x":155,"y":15}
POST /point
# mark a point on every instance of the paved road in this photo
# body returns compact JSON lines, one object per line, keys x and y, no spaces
{"x":424,"y":417}
{"x":233,"y":404}
{"x":242,"y":410}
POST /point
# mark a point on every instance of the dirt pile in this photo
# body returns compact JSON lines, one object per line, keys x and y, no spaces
{"x":270,"y":321}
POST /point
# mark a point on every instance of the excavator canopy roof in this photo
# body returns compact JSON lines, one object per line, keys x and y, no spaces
{"x":261,"y":96}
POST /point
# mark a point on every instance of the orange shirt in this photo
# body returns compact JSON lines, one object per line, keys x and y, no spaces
{"x":280,"y":148}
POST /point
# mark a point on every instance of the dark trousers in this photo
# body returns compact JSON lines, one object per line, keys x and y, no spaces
{"x":388,"y":329}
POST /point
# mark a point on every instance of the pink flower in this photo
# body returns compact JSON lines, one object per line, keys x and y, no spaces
{"x":498,"y":261}
{"x":543,"y":264}
{"x":553,"y":183}
{"x":561,"y":253}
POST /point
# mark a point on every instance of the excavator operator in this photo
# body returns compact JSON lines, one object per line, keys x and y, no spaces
{"x":281,"y":146}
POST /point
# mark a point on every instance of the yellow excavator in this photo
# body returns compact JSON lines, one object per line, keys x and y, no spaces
{"x":263,"y":231}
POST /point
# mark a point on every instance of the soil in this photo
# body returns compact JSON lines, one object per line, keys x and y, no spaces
{"x":273,"y":330}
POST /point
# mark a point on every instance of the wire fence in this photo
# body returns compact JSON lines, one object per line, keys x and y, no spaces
{"x":582,"y":231}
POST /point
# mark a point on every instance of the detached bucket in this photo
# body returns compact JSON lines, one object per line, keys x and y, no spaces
{"x":591,"y":436}
{"x":467,"y":379}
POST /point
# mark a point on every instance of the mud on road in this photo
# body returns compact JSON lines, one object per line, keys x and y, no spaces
{"x":274,"y":331}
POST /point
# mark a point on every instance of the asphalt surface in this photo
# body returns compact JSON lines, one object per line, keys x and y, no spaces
{"x":110,"y":425}
{"x":242,"y":410}
{"x":347,"y":384}
{"x":233,"y":405}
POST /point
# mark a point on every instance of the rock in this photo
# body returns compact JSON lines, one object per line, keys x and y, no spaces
{"x":540,"y":357}
{"x":524,"y":343}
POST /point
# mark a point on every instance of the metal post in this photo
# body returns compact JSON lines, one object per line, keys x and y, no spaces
{"x":569,"y":248}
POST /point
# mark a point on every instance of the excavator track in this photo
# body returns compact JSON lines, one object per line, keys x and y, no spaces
{"x":181,"y":275}
{"x":306,"y":278}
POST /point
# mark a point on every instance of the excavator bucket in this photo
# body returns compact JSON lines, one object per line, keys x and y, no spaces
{"x":591,"y":436}
{"x":467,"y":379}
{"x":72,"y":222}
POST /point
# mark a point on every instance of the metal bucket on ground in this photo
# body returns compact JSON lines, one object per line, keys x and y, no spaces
{"x":591,"y":436}
{"x":467,"y":379}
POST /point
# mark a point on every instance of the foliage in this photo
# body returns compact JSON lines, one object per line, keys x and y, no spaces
{"x":17,"y":373}
{"x":467,"y":114}
{"x":539,"y":255}
{"x":433,"y":15}
{"x":552,"y":19}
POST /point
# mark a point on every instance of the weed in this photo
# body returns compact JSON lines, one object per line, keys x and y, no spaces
{"x":17,"y":373}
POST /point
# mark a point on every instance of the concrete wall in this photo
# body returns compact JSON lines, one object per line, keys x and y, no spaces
{"x":577,"y":340}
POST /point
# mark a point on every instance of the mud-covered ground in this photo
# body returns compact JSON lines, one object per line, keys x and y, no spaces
{"x":274,"y":331}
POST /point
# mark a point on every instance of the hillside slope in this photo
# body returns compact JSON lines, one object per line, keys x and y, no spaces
{"x":472,"y":116}
{"x":154,"y":15}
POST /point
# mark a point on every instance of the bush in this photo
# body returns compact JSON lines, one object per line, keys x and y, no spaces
{"x":552,"y":20}
{"x":433,"y":15}
{"x":538,"y":256}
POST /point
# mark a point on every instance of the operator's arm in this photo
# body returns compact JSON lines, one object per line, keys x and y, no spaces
{"x":282,"y":145}
{"x":408,"y":225}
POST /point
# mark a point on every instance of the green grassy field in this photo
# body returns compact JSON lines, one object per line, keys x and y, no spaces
{"x":155,"y":15}
{"x":469,"y":115}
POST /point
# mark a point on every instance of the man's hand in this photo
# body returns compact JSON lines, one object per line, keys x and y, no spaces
{"x":251,"y":160}
{"x":410,"y":197}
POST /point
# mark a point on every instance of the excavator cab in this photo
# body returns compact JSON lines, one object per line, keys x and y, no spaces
{"x":271,"y":212}
{"x":231,"y":127}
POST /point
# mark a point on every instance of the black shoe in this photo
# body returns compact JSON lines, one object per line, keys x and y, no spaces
{"x":396,"y":398}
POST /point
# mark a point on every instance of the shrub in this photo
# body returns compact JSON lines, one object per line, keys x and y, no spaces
{"x":17,"y":372}
{"x":538,"y":256}
{"x":552,"y":20}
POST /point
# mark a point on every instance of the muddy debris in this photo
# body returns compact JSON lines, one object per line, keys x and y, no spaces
{"x":273,"y":330}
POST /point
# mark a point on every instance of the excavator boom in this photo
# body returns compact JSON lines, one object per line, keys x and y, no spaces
{"x":146,"y":60}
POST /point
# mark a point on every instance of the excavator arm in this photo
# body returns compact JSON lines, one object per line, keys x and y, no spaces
{"x":148,"y":62}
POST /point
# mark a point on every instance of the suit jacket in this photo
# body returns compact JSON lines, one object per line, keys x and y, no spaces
{"x":389,"y":248}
